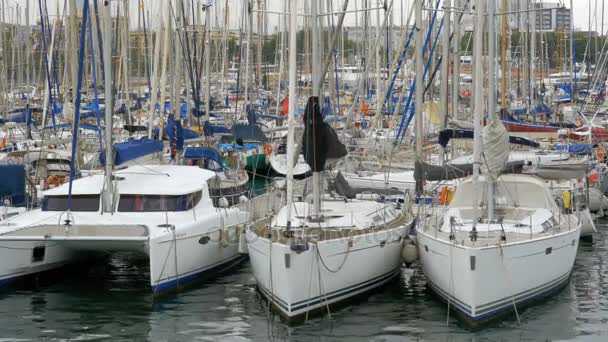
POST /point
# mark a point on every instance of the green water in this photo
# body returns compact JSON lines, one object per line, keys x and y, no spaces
{"x":110,"y":301}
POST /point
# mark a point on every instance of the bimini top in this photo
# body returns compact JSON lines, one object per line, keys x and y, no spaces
{"x":143,"y":180}
{"x":511,"y":190}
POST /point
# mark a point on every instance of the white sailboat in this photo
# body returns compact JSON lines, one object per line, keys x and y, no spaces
{"x":502,"y":242}
{"x":163,"y":211}
{"x":322,"y":250}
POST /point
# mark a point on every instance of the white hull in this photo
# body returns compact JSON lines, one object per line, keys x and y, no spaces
{"x":328,"y":272}
{"x":279,"y":164}
{"x":181,"y":245}
{"x":483,"y":282}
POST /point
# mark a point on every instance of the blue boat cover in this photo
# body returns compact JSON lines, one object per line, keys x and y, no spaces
{"x":201,"y":153}
{"x":61,"y":125}
{"x":133,"y":149}
{"x":565,"y":87}
{"x":93,"y":106}
{"x":248,"y":132}
{"x":13,"y":183}
{"x":578,"y":149}
{"x":542,"y":108}
{"x":248,"y":146}
{"x":24,"y":116}
{"x":519,"y":111}
{"x":210,"y":129}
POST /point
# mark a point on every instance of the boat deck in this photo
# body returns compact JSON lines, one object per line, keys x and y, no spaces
{"x":79,"y":231}
{"x":263,"y":228}
{"x":490,"y":238}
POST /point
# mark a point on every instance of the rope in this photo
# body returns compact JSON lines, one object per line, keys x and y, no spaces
{"x":502,"y":258}
{"x":321,"y":287}
{"x":341,"y":264}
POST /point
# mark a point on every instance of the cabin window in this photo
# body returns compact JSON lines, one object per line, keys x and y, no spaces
{"x":141,"y":203}
{"x":79,"y":203}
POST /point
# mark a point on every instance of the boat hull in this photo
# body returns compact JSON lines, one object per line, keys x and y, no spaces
{"x":19,"y":259}
{"x":257,"y":163}
{"x":524,"y":127}
{"x":483,"y":283}
{"x":328,"y":272}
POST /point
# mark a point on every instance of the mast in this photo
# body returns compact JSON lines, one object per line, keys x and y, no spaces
{"x":316,"y":90}
{"x":163,"y":74}
{"x":73,"y":48}
{"x":491,"y":88}
{"x":247,"y":48}
{"x":503,"y":57}
{"x":154,"y":91}
{"x":293,"y":26}
{"x":532,"y":87}
{"x":419,"y":87}
{"x":107,"y":46}
{"x":125,"y":61}
{"x":445,"y":48}
{"x":28,"y":42}
{"x":478,"y":81}
{"x":456,"y":68}
{"x":207,"y":62}
{"x":572,"y":56}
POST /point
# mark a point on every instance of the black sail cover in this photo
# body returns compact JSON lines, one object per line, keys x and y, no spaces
{"x":319,"y":142}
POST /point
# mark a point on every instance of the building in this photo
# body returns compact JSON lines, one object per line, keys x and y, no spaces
{"x":552,"y":17}
{"x":547,"y":16}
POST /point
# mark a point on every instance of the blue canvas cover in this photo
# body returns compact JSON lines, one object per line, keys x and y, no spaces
{"x":24,"y":116}
{"x":204,"y":153}
{"x":13,"y":183}
{"x":210,"y":129}
{"x":578,"y":149}
{"x":133,"y":149}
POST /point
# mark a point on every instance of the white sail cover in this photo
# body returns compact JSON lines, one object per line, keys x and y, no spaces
{"x":495,"y":149}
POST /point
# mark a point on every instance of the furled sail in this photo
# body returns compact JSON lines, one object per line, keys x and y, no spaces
{"x":495,"y":149}
{"x":319,"y":142}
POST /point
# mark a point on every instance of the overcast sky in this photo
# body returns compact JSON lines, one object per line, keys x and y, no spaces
{"x":581,"y":10}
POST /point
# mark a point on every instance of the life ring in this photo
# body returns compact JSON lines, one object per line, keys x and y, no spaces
{"x":268,"y":149}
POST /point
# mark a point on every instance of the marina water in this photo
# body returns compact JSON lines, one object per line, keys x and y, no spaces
{"x":112,"y":301}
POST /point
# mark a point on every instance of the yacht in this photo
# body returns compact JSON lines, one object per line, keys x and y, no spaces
{"x":162,"y":211}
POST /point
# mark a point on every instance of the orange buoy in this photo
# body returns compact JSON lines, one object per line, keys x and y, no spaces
{"x":443,"y":198}
{"x":268,"y":149}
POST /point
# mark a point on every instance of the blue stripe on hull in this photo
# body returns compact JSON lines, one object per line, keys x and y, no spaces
{"x":490,"y":312}
{"x":8,"y":281}
{"x":345,"y":292}
{"x":203,"y":274}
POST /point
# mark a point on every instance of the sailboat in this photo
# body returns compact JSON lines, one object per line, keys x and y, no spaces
{"x":304,"y":260}
{"x":165,"y":212}
{"x":502,"y":242}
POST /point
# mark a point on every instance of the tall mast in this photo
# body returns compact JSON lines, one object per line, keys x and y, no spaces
{"x":207,"y":62}
{"x":491,"y":88}
{"x":572,"y":54}
{"x":125,"y":60}
{"x":28,"y":42}
{"x":247,"y":48}
{"x":293,"y":26}
{"x":478,"y":81}
{"x":503,"y":57}
{"x":456,"y":70}
{"x":316,"y":90}
{"x":419,"y":85}
{"x":107,"y":46}
{"x":445,"y":48}
{"x":155,"y":68}
{"x":163,"y":73}
{"x":532,"y":58}
{"x":73,"y":48}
